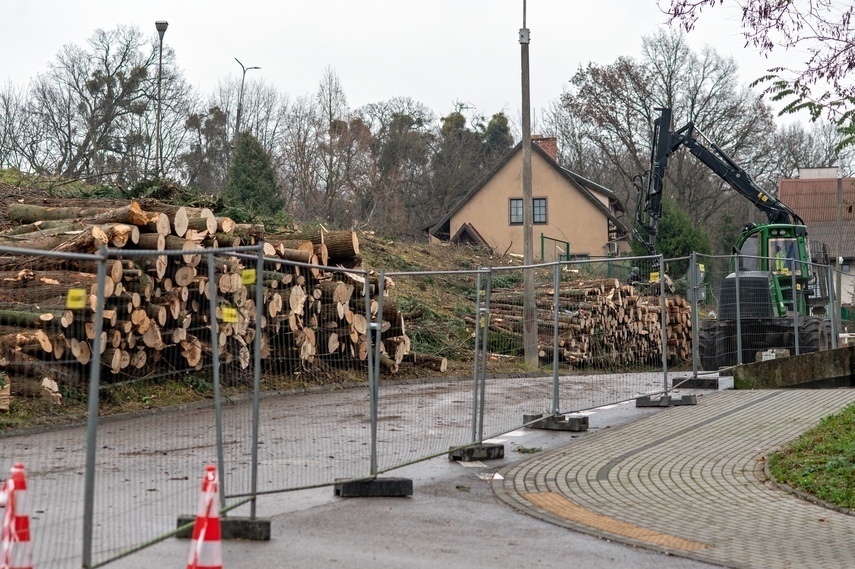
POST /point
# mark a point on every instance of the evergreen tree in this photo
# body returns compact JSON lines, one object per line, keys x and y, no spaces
{"x":677,"y":237}
{"x":497,"y":138}
{"x":251,"y":185}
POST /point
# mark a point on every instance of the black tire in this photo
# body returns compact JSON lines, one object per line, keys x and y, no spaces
{"x":813,"y":335}
{"x":707,"y":350}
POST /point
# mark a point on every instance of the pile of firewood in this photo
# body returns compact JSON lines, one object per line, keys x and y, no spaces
{"x":156,"y":308}
{"x":600,"y":322}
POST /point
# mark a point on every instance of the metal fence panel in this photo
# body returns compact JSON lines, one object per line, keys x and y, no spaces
{"x":160,"y":354}
{"x":313,"y":337}
{"x":509,"y":387}
{"x":425,"y":407}
{"x":46,"y":314}
{"x":599,"y":339}
{"x":743,"y":313}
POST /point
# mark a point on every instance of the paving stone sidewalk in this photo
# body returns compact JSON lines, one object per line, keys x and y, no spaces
{"x":690,"y":481}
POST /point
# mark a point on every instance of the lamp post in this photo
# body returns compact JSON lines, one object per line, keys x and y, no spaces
{"x":240,"y":96}
{"x":161,"y":26}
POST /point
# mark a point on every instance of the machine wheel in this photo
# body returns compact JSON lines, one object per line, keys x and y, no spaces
{"x":707,"y":350}
{"x":813,"y":335}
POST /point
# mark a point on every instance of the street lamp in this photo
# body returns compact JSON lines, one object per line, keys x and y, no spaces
{"x":240,"y":96}
{"x":161,"y":26}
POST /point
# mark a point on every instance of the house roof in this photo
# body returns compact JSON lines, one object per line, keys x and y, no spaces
{"x":597,"y":188}
{"x":815,"y":199}
{"x":469,"y":235}
{"x":586,"y":187}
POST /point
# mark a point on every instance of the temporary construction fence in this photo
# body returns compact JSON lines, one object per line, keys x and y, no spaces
{"x":438,"y":309}
{"x":44,"y":343}
{"x":120,"y":334}
{"x":768,"y":304}
{"x":397,"y":366}
{"x":599,"y":330}
{"x":359,"y":326}
{"x":315,"y":330}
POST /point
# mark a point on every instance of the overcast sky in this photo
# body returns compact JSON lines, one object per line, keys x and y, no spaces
{"x":438,"y":52}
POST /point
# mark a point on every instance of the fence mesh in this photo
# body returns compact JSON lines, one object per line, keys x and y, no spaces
{"x":768,"y":304}
{"x":425,"y":407}
{"x":314,"y":340}
{"x":160,"y":353}
{"x":46,"y":315}
{"x":261,"y":362}
{"x":599,"y":330}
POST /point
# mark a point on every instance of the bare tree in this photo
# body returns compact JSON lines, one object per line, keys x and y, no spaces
{"x":343,"y":142}
{"x":612,"y":109}
{"x":813,"y":146}
{"x":12,"y":108}
{"x":263,"y":113}
{"x":92,"y":114}
{"x":822,"y":29}
{"x":402,"y":131}
{"x":297,"y":160}
{"x":205,"y":162}
{"x":402,"y":135}
{"x":95,"y":92}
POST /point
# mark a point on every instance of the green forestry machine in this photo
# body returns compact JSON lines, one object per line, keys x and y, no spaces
{"x":782,"y":298}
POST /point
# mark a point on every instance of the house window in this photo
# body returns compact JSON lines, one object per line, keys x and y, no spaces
{"x":516,"y":211}
{"x":538,"y":211}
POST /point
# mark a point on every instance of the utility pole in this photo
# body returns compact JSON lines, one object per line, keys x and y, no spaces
{"x":838,"y":252}
{"x":529,"y":308}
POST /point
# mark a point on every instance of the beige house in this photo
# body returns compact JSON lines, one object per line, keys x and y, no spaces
{"x":567,"y":208}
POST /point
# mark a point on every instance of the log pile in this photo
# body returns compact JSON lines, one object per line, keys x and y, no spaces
{"x":321,"y":313}
{"x":600,"y":322}
{"x":156,"y":308}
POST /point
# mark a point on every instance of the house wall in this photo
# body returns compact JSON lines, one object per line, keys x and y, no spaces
{"x":570,"y":215}
{"x":847,"y":290}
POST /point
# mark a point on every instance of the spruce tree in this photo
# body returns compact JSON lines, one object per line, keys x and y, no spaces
{"x":251,"y":184}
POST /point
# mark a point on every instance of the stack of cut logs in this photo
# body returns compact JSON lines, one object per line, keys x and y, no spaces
{"x":156,"y":307}
{"x":600,"y":322}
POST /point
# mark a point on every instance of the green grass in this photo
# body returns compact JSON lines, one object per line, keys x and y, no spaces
{"x":822,"y":461}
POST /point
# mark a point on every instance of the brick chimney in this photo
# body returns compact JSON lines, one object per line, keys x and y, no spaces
{"x":547,"y":143}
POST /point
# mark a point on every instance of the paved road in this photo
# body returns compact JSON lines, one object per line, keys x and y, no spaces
{"x":453,"y":520}
{"x":691,"y":482}
{"x":676,"y":488}
{"x":149,"y":467}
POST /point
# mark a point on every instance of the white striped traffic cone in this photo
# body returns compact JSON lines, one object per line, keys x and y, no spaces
{"x":205,"y":549}
{"x":16,"y":551}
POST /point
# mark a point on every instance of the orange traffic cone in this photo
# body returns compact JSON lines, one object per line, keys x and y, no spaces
{"x":16,"y":551}
{"x":205,"y":550}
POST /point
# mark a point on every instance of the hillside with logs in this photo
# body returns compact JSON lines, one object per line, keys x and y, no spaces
{"x":156,"y":316}
{"x":157,"y":307}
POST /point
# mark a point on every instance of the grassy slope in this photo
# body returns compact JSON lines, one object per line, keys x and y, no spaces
{"x":434,"y":306}
{"x":822,"y":461}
